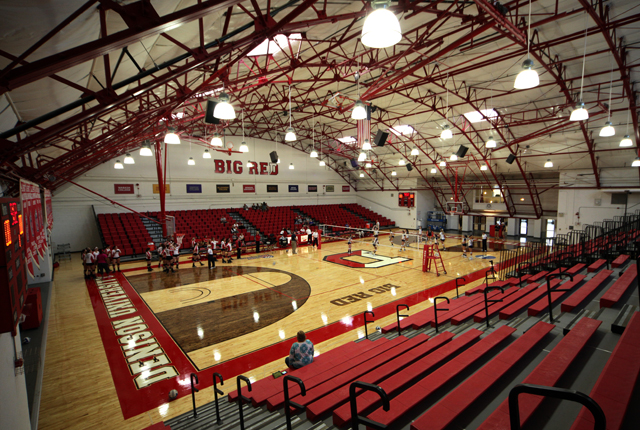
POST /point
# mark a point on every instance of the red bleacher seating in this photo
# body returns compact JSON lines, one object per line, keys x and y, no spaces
{"x":453,"y":405}
{"x":368,"y":401}
{"x":125,"y":231}
{"x":577,"y":268}
{"x":516,"y":281}
{"x":480,"y":288}
{"x":537,"y":277}
{"x":497,"y":307}
{"x":369,"y":214}
{"x":597,"y":265}
{"x":413,"y":395}
{"x":617,"y":290}
{"x":521,"y":304}
{"x":617,"y":382}
{"x":580,"y":296}
{"x":543,"y":305}
{"x":468,"y":313}
{"x":620,"y":261}
{"x":547,"y":373}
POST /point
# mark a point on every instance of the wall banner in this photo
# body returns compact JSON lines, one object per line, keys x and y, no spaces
{"x":272,"y":188}
{"x":167,"y":189}
{"x":49,"y":208}
{"x":123,"y":189}
{"x":312,"y":188}
{"x":33,"y":219}
{"x":194,"y":188}
{"x":346,"y":188}
{"x":293,"y":188}
{"x":248,"y":188}
{"x":223,"y":188}
{"x":330,"y":188}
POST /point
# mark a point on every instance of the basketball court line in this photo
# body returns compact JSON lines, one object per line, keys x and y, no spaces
{"x":265,"y":286}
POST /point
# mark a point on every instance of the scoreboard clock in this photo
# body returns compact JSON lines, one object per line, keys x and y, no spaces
{"x":13,"y":274}
{"x":407,"y":200}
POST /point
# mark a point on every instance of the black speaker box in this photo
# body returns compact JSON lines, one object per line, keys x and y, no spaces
{"x":381,"y":138}
{"x":208,"y":116}
{"x":354,"y":163}
{"x":511,"y":158}
{"x":274,"y":156}
{"x":462,"y":151}
{"x":409,"y":167}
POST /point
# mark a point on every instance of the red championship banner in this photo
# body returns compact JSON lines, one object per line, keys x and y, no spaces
{"x":34,"y":223}
{"x":48,"y":206}
{"x":248,"y":188}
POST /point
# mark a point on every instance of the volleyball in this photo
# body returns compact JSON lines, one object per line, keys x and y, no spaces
{"x":173,"y":394}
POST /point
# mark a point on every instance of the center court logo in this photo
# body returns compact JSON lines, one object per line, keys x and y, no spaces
{"x":364,"y":259}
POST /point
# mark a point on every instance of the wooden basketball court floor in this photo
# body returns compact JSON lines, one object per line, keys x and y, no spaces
{"x":239,"y":318}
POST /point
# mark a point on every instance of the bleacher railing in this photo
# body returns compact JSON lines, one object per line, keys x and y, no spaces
{"x":601,"y":240}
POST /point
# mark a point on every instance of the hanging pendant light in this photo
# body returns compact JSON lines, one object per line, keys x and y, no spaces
{"x":313,"y":154}
{"x":393,"y":173}
{"x":361,"y":175}
{"x":483,"y":167}
{"x":366,"y":145}
{"x":490,"y":143}
{"x":548,"y":163}
{"x":580,"y":113}
{"x":368,"y":164}
{"x":381,"y":29}
{"x":434,"y":170}
{"x":118,"y":165}
{"x":191,"y":161}
{"x":607,"y":130}
{"x":527,"y":78}
{"x":446,"y":132}
{"x":244,"y":147}
{"x":443,"y":163}
{"x":206,"y":154}
{"x":145,"y":151}
{"x":362,"y":156}
{"x":453,"y":157}
{"x":401,"y":163}
{"x":322,"y":163}
{"x":171,"y":138}
{"x":223,"y":109}
{"x":291,"y":166}
{"x":415,"y":151}
{"x":626,"y":141}
{"x":128,"y":159}
{"x":636,"y":162}
{"x":359,"y":111}
{"x":291,"y":135}
{"x":216,"y":140}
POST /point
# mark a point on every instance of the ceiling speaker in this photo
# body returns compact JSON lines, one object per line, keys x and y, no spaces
{"x":208,"y":116}
{"x":274,"y":156}
{"x":354,"y":163}
{"x":381,"y":138}
{"x":409,"y":167}
{"x":462,"y":151}
{"x":511,"y":158}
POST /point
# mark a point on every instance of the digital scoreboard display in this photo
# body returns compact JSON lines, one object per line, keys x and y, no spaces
{"x":13,"y":276}
{"x":407,"y":200}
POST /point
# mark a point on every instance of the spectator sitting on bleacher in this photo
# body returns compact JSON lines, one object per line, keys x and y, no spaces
{"x":223,"y":220}
{"x":245,"y":207}
{"x":301,"y":352}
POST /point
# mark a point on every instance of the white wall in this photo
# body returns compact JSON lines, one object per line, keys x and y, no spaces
{"x":386,"y":204}
{"x":72,"y":206}
{"x":14,"y":406}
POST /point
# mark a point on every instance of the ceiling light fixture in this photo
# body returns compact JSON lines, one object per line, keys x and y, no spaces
{"x":368,"y":164}
{"x":223,"y":109}
{"x":362,"y":156}
{"x":434,"y":170}
{"x":527,"y":78}
{"x":291,"y":135}
{"x":393,"y":173}
{"x":361,"y":175}
{"x":314,"y":153}
{"x":626,"y":140}
{"x":608,"y":130}
{"x":381,"y":29}
{"x":453,"y":157}
{"x":490,"y":143}
{"x":118,"y":165}
{"x":322,"y":163}
{"x":145,"y":150}
{"x":401,"y":163}
{"x":171,"y":137}
{"x":483,"y":167}
{"x":191,"y":161}
{"x":243,"y":146}
{"x":359,"y":111}
{"x":443,"y":163}
{"x":636,"y":162}
{"x":216,"y":140}
{"x":206,"y":154}
{"x":446,"y":130}
{"x":548,"y":163}
{"x":291,"y":166}
{"x":128,"y":159}
{"x":580,"y":113}
{"x":415,"y":151}
{"x":366,"y":145}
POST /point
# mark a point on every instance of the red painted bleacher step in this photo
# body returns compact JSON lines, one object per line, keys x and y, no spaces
{"x":497,"y":307}
{"x":596,"y":265}
{"x":321,"y":406}
{"x":477,"y":300}
{"x":617,"y":382}
{"x":414,"y":395}
{"x":617,"y":290}
{"x":532,"y":297}
{"x":620,"y":261}
{"x":425,"y":317}
{"x":462,"y":316}
{"x":583,"y":292}
{"x":406,"y":377}
{"x":547,"y":373}
{"x":577,"y":268}
{"x":537,"y":277}
{"x":543,"y":305}
{"x":516,"y":281}
{"x":453,"y":405}
{"x":480,"y":288}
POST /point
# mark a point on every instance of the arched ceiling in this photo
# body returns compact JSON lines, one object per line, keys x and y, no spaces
{"x":83,"y":82}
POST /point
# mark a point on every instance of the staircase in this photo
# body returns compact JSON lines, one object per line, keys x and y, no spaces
{"x":372,"y":222}
{"x":155,"y":230}
{"x":250,"y":228}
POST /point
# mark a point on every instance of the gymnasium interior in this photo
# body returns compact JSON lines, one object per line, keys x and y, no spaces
{"x":443,"y":196}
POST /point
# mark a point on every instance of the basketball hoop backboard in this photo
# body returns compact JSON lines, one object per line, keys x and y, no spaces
{"x":455,"y":208}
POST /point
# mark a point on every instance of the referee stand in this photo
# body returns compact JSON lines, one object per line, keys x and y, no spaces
{"x":432,"y":257}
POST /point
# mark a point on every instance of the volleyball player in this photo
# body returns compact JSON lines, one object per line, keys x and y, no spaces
{"x":176,"y":256}
{"x":484,"y":242}
{"x":148,"y":258}
{"x":392,"y":236}
{"x":160,"y":255}
{"x":89,"y":262}
{"x":464,"y":246}
{"x":470,"y":247}
{"x":196,"y":255}
{"x":229,"y":250}
{"x":442,"y":238}
{"x":375,"y":244}
{"x":403,"y":247}
{"x":167,"y":257}
{"x":349,"y":243}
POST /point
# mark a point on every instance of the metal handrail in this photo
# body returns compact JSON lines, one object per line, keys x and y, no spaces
{"x":194,"y":390}
{"x":242,"y":398}
{"x":526,"y":263}
{"x":435,"y":308}
{"x":287,"y":402}
{"x":487,"y":301}
{"x":357,"y":419}
{"x":398,"y":316}
{"x":556,"y":290}
{"x":600,"y":420}
{"x":217,"y":391}
{"x":465,"y":283}
{"x":366,"y":332}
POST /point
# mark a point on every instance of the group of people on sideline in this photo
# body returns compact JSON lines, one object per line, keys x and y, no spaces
{"x":97,"y":262}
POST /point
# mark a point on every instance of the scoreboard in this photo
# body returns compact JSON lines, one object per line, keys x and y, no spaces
{"x":407,"y":200}
{"x":13,"y":274}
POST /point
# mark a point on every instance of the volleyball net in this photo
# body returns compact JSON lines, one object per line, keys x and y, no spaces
{"x":365,"y":235}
